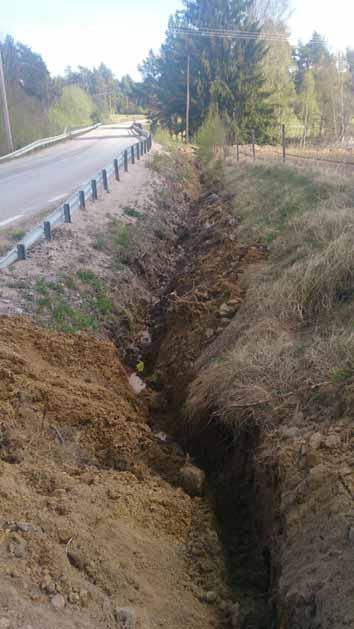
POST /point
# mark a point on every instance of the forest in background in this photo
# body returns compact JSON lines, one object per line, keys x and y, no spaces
{"x":252,"y":83}
{"x":41,"y":105}
{"x":249,"y":83}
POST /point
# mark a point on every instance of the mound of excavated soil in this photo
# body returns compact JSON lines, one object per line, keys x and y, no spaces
{"x":88,"y":525}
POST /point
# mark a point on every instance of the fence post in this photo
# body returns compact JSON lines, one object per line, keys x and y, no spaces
{"x":283,"y":140}
{"x":253,"y":140}
{"x":82,"y":200}
{"x":67,"y":213}
{"x":133,"y":154}
{"x":116,"y":169}
{"x":145,"y":147}
{"x":105,"y":180}
{"x":138,"y":150}
{"x":21,"y":252}
{"x":237,"y":151}
{"x":94,"y":189}
{"x":47,"y":230}
{"x":126,"y":161}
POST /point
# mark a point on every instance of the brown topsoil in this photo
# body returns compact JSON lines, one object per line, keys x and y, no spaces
{"x":88,"y":525}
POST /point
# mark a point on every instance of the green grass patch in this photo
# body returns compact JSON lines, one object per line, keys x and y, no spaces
{"x":132,"y":213}
{"x":341,"y":375}
{"x":18,"y":234}
{"x":75,"y":303}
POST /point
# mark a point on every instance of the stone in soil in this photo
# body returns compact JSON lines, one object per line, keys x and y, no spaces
{"x":192,"y":479}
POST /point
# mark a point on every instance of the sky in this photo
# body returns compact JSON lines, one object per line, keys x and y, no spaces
{"x":121,"y":32}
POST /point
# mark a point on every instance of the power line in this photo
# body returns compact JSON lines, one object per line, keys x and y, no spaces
{"x":237,"y":34}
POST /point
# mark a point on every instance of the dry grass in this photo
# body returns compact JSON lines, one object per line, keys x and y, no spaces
{"x":294,"y":331}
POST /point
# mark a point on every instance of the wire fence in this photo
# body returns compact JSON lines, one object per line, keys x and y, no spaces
{"x":286,"y":147}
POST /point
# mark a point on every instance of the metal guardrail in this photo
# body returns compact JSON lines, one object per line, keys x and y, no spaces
{"x":46,"y":142}
{"x":63,"y":213}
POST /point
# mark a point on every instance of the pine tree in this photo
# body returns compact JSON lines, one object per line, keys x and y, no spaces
{"x":226,"y":73}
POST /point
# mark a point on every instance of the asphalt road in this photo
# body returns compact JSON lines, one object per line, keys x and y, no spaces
{"x":42,"y":180}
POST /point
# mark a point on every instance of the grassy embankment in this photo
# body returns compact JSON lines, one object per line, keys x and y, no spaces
{"x":295,"y":329}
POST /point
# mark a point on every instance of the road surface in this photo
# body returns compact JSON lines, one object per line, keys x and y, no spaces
{"x":42,"y":180}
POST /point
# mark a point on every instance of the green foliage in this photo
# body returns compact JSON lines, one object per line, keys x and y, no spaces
{"x":210,"y":135}
{"x":340,"y":375}
{"x":225,"y":73}
{"x":18,"y":234}
{"x":73,"y":304}
{"x":132,"y":213}
{"x":74,"y":108}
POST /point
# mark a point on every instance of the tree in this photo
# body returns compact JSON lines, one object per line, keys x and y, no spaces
{"x":73,"y":109}
{"x":225,"y":72}
{"x":278,"y":68}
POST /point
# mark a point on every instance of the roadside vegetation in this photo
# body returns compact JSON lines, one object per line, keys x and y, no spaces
{"x":73,"y":303}
{"x":41,"y":105}
{"x":294,"y":334}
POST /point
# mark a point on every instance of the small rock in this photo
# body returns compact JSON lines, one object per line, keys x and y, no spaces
{"x":18,"y":549}
{"x":58,"y":601}
{"x":5,"y":623}
{"x":64,"y":535}
{"x":316,"y":441}
{"x":210,"y":597}
{"x":48,"y":585}
{"x":24,"y":527}
{"x":289,"y":431}
{"x":209,"y":333}
{"x":113,"y":493}
{"x":235,"y":616}
{"x":333,"y":441}
{"x":229,"y":309}
{"x":192,"y":479}
{"x":212,"y":198}
{"x":84,"y":597}
{"x":74,"y":598}
{"x":125,"y":618}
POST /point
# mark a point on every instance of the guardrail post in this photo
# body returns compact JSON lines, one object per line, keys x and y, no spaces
{"x":116,"y":169}
{"x":94,"y":189}
{"x":283,"y":141}
{"x":47,"y":230}
{"x":126,"y":161}
{"x":138,"y":151}
{"x":105,"y":180}
{"x":253,"y":140}
{"x":133,"y":154}
{"x":82,"y":200}
{"x":21,"y":252}
{"x":141,"y":148}
{"x":67,"y":213}
{"x":145,"y":147}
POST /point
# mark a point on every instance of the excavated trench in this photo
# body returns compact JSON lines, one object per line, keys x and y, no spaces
{"x":178,"y":329}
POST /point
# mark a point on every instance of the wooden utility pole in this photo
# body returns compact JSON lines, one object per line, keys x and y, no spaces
{"x":283,"y":141}
{"x":188,"y":103}
{"x":5,"y":109}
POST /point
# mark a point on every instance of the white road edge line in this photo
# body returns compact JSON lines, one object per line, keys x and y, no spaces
{"x":11,"y":220}
{"x":61,"y":196}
